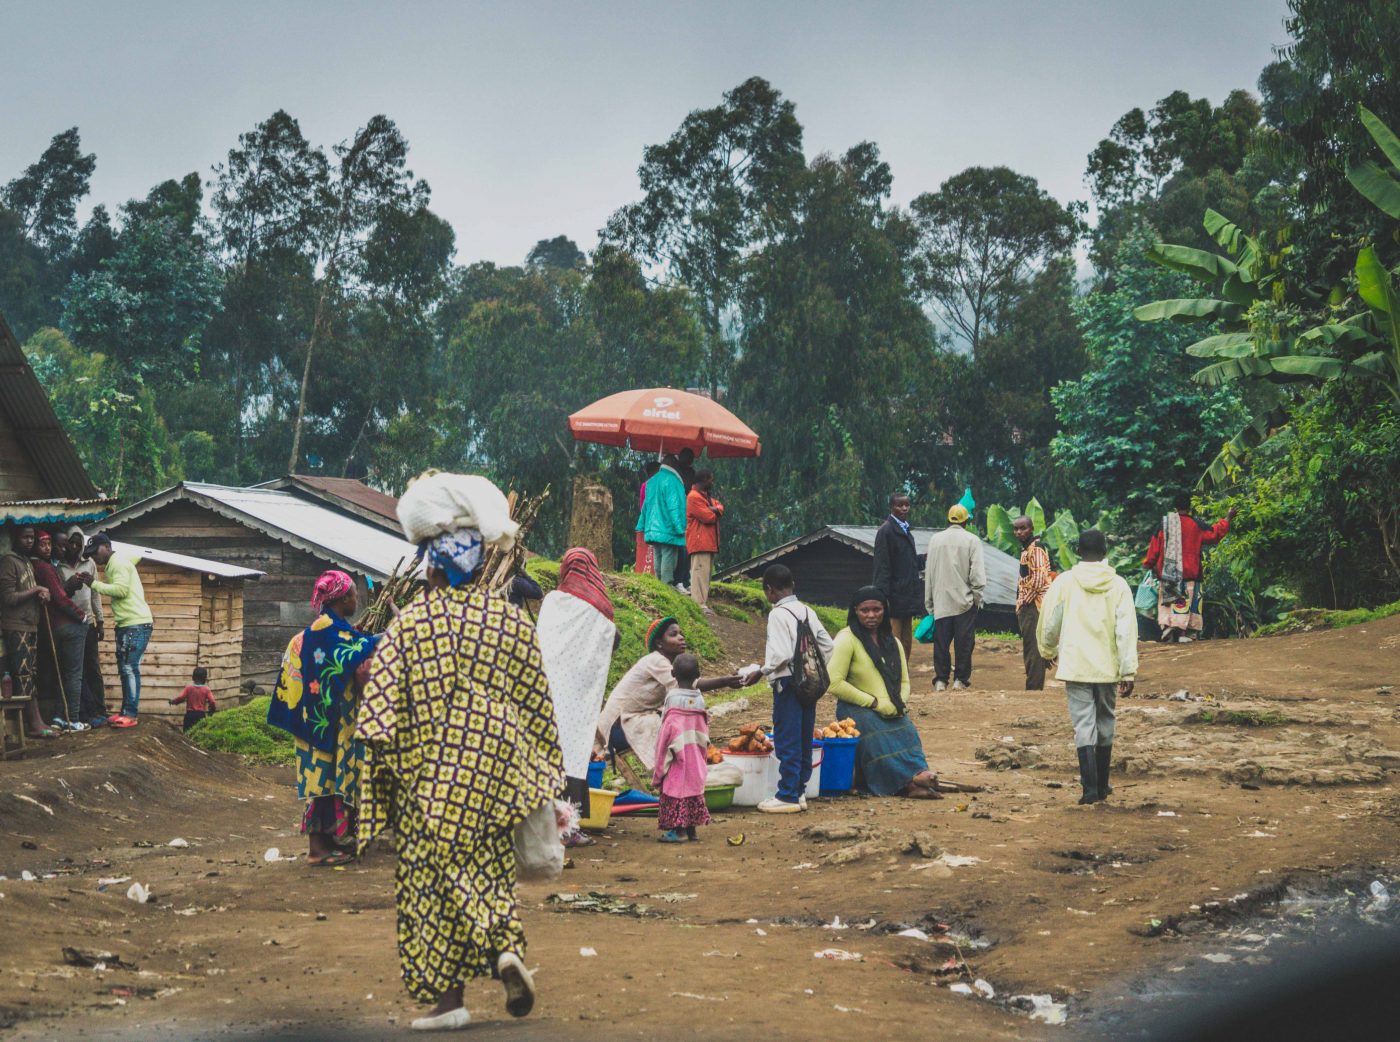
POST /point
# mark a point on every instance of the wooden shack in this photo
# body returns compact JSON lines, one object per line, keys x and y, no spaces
{"x":198,"y":608}
{"x":833,"y":562}
{"x":290,"y":539}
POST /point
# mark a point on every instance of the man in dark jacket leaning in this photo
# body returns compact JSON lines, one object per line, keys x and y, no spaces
{"x":897,"y":570}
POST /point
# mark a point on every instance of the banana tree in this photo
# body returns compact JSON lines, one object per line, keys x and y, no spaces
{"x":1061,"y":534}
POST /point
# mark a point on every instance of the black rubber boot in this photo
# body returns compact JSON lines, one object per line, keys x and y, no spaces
{"x":1103,"y":756}
{"x":1088,"y":774}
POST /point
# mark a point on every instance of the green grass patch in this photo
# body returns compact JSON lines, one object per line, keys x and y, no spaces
{"x":1242,"y":717}
{"x":1301,"y":620}
{"x":1000,"y":635}
{"x":243,"y":729}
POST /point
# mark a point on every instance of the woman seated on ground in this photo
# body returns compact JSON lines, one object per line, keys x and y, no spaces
{"x":870,"y":678}
{"x":631,"y":717}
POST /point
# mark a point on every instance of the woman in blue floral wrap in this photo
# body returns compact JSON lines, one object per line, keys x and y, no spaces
{"x":316,"y":703}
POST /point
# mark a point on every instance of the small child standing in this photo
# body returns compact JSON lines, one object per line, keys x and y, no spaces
{"x":681,"y":765}
{"x":198,"y":699}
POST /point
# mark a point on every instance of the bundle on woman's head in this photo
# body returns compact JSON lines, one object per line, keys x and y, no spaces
{"x":452,"y":517}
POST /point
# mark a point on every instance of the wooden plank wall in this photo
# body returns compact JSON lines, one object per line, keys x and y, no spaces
{"x":221,"y":636}
{"x":18,"y":478}
{"x":274,"y":607}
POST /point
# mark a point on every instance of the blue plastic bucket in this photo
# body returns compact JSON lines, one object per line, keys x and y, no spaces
{"x":595,"y":774}
{"x":838,"y":768}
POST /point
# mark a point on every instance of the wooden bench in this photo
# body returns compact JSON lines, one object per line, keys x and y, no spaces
{"x":12,"y":727}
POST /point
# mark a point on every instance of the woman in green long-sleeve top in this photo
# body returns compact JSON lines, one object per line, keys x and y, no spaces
{"x":870,"y":677}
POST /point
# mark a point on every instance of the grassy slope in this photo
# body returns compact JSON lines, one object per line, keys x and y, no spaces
{"x":637,"y":601}
{"x":1304,"y":619}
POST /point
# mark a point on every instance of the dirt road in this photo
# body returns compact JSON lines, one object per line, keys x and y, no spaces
{"x":1283,"y":771}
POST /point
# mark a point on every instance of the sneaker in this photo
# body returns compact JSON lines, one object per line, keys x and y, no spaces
{"x":939,"y":685}
{"x":452,"y":1020}
{"x":802,"y":801}
{"x":958,"y":685}
{"x":682,"y":588}
{"x":520,"y":986}
{"x":773,"y":805}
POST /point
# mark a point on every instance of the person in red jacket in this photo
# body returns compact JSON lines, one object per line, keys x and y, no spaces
{"x":702,"y":514}
{"x":1174,"y":555}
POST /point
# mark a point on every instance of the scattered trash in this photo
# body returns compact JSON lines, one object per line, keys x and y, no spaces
{"x":673,"y":899}
{"x":29,"y":844}
{"x":588,"y":953}
{"x":847,"y":1009}
{"x":1182,"y":695}
{"x":1380,"y":900}
{"x":96,"y":959}
{"x":30,"y":799}
{"x":721,"y":955}
{"x":602,"y":903}
{"x":178,"y":843}
{"x":913,"y":932}
{"x":835,"y":924}
{"x":837,"y":955}
{"x":958,"y":860}
{"x":804,"y":864}
{"x":761,"y":932}
{"x":1166,"y":814}
{"x":143,"y":844}
{"x":960,"y":989}
{"x":138,"y":893}
{"x":106,"y":881}
{"x":700,"y":998}
{"x":1218,"y":957}
{"x":1041,"y":1007}
{"x":28,"y":876}
{"x":272,"y":854}
{"x":986,"y":990}
{"x":736,"y":840}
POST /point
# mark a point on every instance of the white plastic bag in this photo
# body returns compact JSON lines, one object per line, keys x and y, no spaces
{"x":539,"y":852}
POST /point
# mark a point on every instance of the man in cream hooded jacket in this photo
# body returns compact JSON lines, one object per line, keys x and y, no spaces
{"x":1088,"y":624}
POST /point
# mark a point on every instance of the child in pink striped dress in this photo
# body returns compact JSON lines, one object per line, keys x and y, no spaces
{"x":681,"y":765}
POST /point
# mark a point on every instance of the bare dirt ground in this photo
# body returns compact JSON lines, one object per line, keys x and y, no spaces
{"x":1284,"y":771}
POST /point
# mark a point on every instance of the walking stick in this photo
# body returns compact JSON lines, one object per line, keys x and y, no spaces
{"x":57,"y":666}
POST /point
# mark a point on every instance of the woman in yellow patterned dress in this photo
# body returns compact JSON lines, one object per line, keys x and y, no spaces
{"x":315,"y":703}
{"x":461,"y":745}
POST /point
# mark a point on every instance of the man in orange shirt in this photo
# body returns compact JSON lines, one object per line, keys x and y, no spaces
{"x":702,"y":514}
{"x":1036,"y":575}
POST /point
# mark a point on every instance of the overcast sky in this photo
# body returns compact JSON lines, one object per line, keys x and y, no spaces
{"x":529,"y":118}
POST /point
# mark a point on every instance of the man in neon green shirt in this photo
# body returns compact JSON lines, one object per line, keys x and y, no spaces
{"x":1088,"y":624}
{"x":127,"y":599}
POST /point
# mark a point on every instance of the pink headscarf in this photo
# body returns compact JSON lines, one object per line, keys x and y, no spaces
{"x":331,"y":586}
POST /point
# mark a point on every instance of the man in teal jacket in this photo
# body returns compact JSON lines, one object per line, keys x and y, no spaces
{"x":662,"y":523}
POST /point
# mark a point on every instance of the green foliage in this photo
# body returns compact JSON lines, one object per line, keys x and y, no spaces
{"x":1242,"y":717}
{"x":1320,"y":510}
{"x":1135,"y":429}
{"x":244,"y":730}
{"x":120,"y":435}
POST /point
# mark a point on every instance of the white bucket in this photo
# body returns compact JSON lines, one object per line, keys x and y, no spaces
{"x":760,"y":782}
{"x":814,"y":783}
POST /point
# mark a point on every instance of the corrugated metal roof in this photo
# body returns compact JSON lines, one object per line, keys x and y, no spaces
{"x":350,"y":494}
{"x":352,"y":544}
{"x":189,"y":564}
{"x":1003,"y":570}
{"x":49,"y":511}
{"x":26,"y":405}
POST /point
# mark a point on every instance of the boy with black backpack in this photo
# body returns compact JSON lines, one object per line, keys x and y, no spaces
{"x":795,"y":663}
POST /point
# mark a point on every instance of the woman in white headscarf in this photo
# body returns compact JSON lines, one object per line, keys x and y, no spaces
{"x":461,"y":746}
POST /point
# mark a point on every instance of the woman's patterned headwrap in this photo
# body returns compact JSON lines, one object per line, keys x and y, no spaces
{"x":331,"y":586}
{"x":456,"y":554}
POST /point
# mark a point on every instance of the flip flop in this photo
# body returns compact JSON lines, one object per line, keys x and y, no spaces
{"x":340,"y":857}
{"x":670,"y":836}
{"x":45,"y":733}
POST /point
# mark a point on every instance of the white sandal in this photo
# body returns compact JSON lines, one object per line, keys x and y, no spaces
{"x":452,"y":1020}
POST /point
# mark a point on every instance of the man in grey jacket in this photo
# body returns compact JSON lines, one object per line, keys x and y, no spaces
{"x":954,"y":578}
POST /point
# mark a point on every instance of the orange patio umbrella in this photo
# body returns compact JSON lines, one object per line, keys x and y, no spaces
{"x":662,"y":419}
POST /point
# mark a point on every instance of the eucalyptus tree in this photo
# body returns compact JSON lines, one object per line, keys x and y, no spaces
{"x":714,"y":193}
{"x":980,"y":235}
